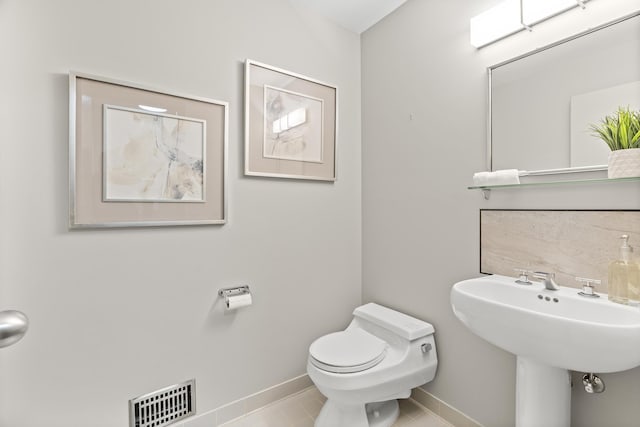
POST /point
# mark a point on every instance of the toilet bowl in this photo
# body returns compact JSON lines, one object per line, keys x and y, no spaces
{"x":379,"y":358}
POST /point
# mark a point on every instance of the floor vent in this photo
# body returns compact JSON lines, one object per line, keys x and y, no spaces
{"x":163,"y":407}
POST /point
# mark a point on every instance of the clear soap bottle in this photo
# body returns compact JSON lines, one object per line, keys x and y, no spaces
{"x":624,"y":276}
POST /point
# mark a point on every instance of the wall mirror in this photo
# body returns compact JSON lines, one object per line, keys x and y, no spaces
{"x":541,"y":103}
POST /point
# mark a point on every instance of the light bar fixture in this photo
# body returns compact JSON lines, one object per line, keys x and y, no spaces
{"x":498,"y":22}
{"x":512,"y":16}
{"x":535,"y":11}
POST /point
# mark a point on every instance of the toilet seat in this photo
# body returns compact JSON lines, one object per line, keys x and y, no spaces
{"x":345,"y":352}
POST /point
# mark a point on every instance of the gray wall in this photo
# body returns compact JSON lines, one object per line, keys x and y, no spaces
{"x":424,"y":108}
{"x":118,"y":313}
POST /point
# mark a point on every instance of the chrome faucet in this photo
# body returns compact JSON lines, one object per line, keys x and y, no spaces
{"x":547,"y":279}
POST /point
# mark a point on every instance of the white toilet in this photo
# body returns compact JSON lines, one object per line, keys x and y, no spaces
{"x":380,"y":357}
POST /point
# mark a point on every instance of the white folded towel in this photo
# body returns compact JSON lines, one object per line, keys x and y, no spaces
{"x":501,"y":177}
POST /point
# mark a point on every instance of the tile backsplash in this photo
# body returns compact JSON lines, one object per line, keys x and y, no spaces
{"x":579,"y":243}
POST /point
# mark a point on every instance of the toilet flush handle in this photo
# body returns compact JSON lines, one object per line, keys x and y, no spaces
{"x":426,"y":347}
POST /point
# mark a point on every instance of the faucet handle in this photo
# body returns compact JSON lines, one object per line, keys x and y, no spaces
{"x":523,"y":274}
{"x":587,"y":287}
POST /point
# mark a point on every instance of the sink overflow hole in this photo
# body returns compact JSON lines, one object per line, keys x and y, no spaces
{"x":548,"y":298}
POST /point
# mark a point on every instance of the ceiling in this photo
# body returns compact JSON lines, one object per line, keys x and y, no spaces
{"x":354,"y":15}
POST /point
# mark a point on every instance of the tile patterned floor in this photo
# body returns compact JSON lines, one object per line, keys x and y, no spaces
{"x":300,"y":410}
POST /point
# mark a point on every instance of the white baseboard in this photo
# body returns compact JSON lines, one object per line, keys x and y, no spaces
{"x":443,"y":409}
{"x":247,"y":404}
{"x":256,"y":401}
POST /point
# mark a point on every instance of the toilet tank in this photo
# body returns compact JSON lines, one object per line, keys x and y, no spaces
{"x":400,"y":324}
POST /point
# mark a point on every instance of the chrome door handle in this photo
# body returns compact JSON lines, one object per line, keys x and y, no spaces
{"x":13,"y":326}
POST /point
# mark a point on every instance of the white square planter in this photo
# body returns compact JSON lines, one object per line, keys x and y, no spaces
{"x":624,"y":163}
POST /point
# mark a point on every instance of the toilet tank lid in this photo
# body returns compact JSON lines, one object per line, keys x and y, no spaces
{"x":401,"y":324}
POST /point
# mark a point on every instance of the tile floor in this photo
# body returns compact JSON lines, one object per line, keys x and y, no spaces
{"x":301,"y":409}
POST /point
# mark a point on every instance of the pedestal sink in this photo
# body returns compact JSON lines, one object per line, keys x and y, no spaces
{"x":550,"y":332}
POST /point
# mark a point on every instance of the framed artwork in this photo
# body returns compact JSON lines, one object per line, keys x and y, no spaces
{"x":290,"y":124}
{"x":143,"y":157}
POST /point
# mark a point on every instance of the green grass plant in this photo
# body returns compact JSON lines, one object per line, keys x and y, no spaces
{"x":620,"y":131}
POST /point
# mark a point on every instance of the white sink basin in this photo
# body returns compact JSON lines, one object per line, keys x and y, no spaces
{"x":557,"y":328}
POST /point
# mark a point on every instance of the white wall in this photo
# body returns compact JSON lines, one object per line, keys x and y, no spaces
{"x":118,"y":313}
{"x":424,"y":126}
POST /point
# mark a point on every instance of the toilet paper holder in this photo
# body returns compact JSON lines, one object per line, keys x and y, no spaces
{"x":232,"y":292}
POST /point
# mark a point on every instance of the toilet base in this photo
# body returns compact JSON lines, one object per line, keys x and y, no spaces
{"x":377,"y":414}
{"x":382,"y":414}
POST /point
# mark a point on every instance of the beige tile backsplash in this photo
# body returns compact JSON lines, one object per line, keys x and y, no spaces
{"x":569,"y":243}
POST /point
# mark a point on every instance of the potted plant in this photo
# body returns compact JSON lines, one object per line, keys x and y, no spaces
{"x":621,"y":132}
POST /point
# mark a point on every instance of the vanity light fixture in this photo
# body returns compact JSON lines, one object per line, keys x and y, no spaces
{"x":512,"y":16}
{"x":535,"y":11}
{"x":496,"y":23}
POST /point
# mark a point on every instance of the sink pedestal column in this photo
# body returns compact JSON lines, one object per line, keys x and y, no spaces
{"x":543,"y":395}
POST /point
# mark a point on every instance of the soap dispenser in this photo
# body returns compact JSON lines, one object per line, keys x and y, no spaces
{"x":624,"y":276}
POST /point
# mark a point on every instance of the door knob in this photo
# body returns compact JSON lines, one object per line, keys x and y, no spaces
{"x":13,"y":326}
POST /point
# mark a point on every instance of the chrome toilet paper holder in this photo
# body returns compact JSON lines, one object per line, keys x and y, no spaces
{"x":232,"y":292}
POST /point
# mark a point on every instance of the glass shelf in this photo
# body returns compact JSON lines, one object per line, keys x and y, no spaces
{"x":486,"y":188}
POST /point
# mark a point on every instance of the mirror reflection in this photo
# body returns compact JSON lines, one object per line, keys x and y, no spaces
{"x":542,"y":103}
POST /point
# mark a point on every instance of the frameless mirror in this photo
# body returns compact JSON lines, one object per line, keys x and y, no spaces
{"x":542,"y":103}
